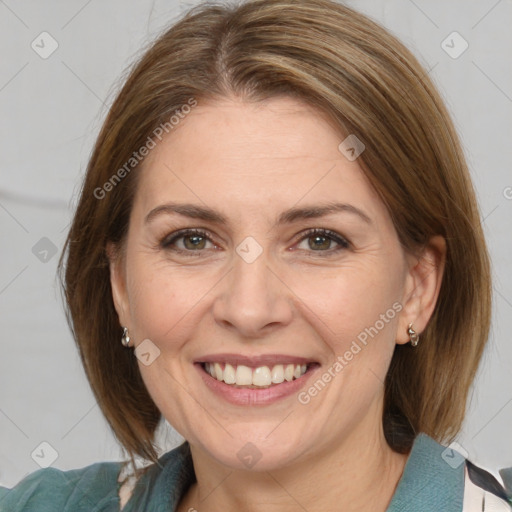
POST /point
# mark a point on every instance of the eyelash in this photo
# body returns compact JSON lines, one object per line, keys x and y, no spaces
{"x":168,"y":240}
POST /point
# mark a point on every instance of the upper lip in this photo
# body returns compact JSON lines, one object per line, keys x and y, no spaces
{"x":254,"y":361}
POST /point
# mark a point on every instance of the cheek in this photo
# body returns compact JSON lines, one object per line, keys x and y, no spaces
{"x":356,"y":313}
{"x":350,"y":301}
{"x":151,"y":293}
{"x":165,"y":301}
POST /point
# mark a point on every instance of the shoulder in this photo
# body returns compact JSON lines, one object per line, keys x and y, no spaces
{"x":89,"y":488}
{"x":437,"y":477}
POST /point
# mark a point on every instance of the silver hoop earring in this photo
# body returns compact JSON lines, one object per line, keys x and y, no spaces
{"x":413,"y":335}
{"x":125,"y":339}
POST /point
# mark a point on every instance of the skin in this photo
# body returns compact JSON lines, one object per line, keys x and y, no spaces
{"x":252,"y":161}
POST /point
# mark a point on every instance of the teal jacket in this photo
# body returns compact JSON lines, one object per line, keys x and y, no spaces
{"x":432,"y":481}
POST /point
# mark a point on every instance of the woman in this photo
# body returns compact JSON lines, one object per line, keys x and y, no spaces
{"x":277,"y":249}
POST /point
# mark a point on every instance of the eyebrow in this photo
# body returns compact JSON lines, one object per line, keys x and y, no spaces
{"x":287,"y":217}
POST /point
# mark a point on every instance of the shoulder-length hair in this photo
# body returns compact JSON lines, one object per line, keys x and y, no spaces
{"x":351,"y":68}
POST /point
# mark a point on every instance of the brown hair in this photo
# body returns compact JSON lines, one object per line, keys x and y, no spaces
{"x":349,"y":67}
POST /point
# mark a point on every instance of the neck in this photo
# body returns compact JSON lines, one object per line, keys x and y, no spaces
{"x":360,"y":473}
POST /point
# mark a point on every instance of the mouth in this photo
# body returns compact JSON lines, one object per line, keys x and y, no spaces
{"x":260,"y":377}
{"x":255,"y":380}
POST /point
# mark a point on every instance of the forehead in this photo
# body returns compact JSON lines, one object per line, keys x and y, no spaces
{"x":253,"y":157}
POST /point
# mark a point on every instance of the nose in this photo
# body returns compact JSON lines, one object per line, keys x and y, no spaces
{"x":253,"y":300}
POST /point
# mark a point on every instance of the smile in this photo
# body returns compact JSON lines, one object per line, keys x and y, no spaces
{"x":260,"y":377}
{"x":255,"y":380}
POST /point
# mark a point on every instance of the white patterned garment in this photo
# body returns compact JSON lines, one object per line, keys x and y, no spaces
{"x":129,"y":480}
{"x":477,"y":499}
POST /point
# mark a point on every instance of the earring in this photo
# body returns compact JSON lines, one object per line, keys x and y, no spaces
{"x":125,"y":339}
{"x":414,"y":335}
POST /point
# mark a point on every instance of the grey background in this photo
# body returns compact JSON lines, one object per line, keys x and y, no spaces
{"x":51,"y":111}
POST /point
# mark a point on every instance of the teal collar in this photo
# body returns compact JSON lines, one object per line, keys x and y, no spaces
{"x":433,"y":479}
{"x":162,"y":486}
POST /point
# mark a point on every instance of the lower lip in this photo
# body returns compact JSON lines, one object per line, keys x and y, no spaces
{"x":245,"y":396}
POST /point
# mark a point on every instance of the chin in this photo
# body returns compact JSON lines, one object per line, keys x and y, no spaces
{"x":255,"y":451}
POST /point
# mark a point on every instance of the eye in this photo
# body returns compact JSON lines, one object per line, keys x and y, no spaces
{"x":190,"y":241}
{"x":187,"y":241}
{"x":322,"y":240}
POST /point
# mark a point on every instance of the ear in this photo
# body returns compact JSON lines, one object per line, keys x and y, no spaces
{"x":118,"y":282}
{"x":422,"y":285}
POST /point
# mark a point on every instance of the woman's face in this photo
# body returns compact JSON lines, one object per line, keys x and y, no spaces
{"x":255,"y":287}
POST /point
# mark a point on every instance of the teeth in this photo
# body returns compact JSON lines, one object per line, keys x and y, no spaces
{"x":262,"y":376}
{"x":288,"y":372}
{"x":277,"y":374}
{"x":229,"y":374}
{"x":218,"y":371}
{"x":243,"y":376}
